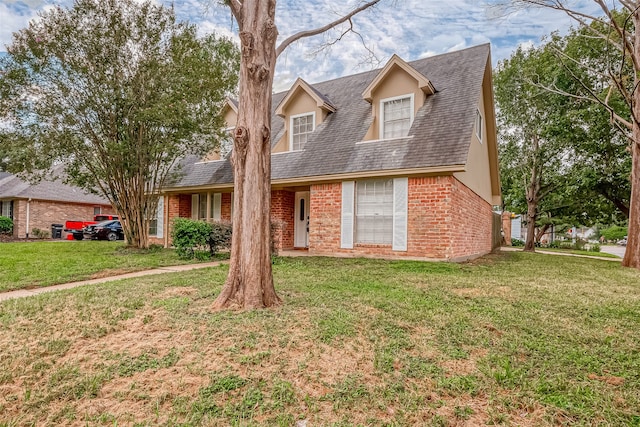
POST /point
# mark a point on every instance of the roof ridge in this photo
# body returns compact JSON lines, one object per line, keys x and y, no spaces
{"x":377,"y":70}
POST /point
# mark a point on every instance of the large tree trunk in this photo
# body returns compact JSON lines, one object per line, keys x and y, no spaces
{"x":249,"y":284}
{"x":632,"y":254}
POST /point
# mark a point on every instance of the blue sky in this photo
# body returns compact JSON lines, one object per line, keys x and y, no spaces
{"x":410,"y":28}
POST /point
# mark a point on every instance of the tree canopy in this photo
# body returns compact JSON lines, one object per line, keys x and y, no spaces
{"x":610,"y":76}
{"x":115,"y":91}
{"x":582,"y":159}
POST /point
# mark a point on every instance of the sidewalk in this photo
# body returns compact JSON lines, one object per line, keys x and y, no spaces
{"x":542,"y":251}
{"x":21,"y":293}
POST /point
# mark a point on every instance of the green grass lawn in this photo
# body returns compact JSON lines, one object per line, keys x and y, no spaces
{"x":514,"y":339}
{"x":34,"y":264}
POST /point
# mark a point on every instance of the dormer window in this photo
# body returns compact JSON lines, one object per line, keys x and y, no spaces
{"x":301,"y":126}
{"x":397,"y":116}
{"x":226,"y":142}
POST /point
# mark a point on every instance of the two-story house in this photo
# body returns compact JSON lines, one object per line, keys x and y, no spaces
{"x":396,"y":162}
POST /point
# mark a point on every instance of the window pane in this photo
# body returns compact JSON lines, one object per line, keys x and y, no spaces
{"x":202,"y":206}
{"x":374,"y":211}
{"x":300,"y":128}
{"x":397,"y":118}
{"x":153,"y":227}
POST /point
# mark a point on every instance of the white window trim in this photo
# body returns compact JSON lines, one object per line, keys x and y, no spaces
{"x":381,"y":110}
{"x":312,"y":114}
{"x":478,"y":125}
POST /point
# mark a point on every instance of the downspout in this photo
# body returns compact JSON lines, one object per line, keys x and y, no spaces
{"x":27,"y":222}
{"x":165,"y":220}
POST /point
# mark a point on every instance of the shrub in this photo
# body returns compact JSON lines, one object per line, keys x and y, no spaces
{"x":614,"y":233}
{"x":517,"y":242}
{"x":6,"y":225}
{"x":40,"y":234}
{"x":220,"y":236}
{"x":189,"y":236}
{"x":594,"y":247}
{"x":199,"y":239}
{"x":579,"y":244}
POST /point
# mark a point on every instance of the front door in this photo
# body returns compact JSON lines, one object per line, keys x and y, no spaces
{"x":301,"y":228}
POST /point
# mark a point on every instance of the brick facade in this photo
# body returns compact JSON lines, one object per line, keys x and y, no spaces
{"x":445,"y":220}
{"x":225,"y":207}
{"x":43,"y":213}
{"x":325,"y":209}
{"x":473,"y":219}
{"x":282,"y":214}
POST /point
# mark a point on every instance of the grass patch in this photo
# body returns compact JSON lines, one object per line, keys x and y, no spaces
{"x":34,"y":264}
{"x":512,"y":339}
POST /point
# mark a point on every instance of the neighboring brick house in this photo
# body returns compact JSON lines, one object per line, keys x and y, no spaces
{"x":46,"y":203}
{"x":396,"y":162}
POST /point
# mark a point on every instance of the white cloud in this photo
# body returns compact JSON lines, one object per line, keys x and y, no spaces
{"x":411,"y":28}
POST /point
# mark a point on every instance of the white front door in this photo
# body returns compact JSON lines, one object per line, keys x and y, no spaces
{"x":301,"y":223}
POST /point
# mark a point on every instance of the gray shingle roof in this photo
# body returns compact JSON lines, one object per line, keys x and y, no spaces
{"x":439,"y":137}
{"x":13,"y":187}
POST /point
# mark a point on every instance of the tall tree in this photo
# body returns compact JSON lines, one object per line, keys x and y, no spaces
{"x":622,"y":72}
{"x":250,"y":281}
{"x":116,"y":91}
{"x":532,"y":132}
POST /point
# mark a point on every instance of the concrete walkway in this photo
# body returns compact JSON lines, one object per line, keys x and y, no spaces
{"x":21,"y":293}
{"x":542,"y":251}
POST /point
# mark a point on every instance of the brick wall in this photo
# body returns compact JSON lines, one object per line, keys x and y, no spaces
{"x":178,"y":206}
{"x":445,"y":220}
{"x":282,"y":212}
{"x":225,"y":207}
{"x":324,"y":218}
{"x":472,"y":235}
{"x":43,"y":213}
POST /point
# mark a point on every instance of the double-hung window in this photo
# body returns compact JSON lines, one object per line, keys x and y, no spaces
{"x":301,"y":126}
{"x":397,"y":116}
{"x":206,"y":206}
{"x":156,"y":221}
{"x":374,"y":211}
{"x":6,"y":208}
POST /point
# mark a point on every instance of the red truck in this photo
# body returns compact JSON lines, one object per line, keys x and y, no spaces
{"x":74,"y":228}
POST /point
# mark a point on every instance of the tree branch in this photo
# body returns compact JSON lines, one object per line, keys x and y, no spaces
{"x":320,"y":30}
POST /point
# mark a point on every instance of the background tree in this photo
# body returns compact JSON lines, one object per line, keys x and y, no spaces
{"x":622,"y":72}
{"x":533,"y":143}
{"x":116,"y":91}
{"x":250,"y":280}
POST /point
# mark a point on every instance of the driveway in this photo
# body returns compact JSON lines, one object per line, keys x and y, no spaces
{"x":613,"y":249}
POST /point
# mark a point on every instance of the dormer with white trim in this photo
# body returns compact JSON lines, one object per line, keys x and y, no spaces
{"x":303,"y":109}
{"x":395,"y":95}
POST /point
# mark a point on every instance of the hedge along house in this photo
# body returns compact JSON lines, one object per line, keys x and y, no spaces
{"x":40,"y":205}
{"x":396,"y":162}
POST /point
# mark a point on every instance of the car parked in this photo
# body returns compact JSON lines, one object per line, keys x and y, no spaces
{"x":623,"y":242}
{"x":105,"y":230}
